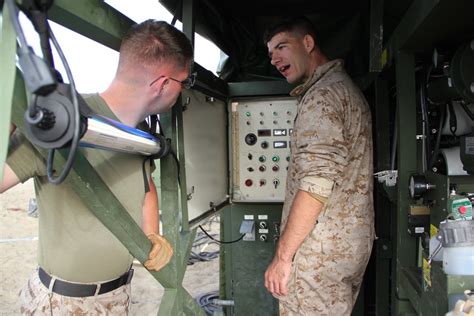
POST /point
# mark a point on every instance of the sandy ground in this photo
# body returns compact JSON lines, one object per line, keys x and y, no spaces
{"x":18,"y":244}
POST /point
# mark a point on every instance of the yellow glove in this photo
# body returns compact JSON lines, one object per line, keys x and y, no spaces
{"x":160,"y":253}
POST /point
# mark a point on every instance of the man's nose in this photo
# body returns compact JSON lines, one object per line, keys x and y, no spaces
{"x":274,"y":60}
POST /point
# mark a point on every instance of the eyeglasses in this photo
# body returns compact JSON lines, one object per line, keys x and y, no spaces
{"x":187,"y":83}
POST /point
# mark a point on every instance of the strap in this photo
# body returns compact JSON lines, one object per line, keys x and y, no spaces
{"x":165,"y":143}
{"x":145,"y":177}
{"x":153,"y":123}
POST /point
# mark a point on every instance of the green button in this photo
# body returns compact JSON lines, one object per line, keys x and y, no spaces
{"x":275,"y":158}
{"x":247,"y":113}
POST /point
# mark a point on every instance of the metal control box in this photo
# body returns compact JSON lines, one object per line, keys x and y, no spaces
{"x":246,"y":261}
{"x":261,"y":130}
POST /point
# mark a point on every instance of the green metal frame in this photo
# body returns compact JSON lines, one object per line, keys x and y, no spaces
{"x":383,"y":206}
{"x":404,"y":246}
{"x":7,"y":80}
{"x":105,"y":25}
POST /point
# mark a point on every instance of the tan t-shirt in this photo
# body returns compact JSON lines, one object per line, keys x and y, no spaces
{"x":73,"y":244}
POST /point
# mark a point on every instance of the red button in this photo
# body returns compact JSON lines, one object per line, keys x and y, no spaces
{"x":462,"y":209}
{"x":248,"y":182}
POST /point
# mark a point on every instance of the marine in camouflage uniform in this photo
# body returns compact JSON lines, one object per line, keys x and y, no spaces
{"x":331,"y":139}
{"x":36,"y":299}
{"x":331,"y":160}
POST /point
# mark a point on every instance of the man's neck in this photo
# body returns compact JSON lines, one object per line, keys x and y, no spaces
{"x":318,"y":60}
{"x":125,"y":104}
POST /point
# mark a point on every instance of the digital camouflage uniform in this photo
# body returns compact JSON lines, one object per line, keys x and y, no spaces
{"x":332,"y":141}
{"x":36,"y":299}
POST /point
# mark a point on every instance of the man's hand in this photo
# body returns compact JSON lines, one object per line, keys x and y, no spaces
{"x":160,"y":254}
{"x":277,"y":276}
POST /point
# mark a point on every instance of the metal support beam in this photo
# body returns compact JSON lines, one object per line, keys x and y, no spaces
{"x":92,"y":18}
{"x":405,"y":245}
{"x":376,"y":35}
{"x":382,"y":125}
{"x":7,"y":80}
{"x":383,"y":206}
{"x":178,"y":111}
{"x":188,"y":19}
{"x":415,"y":16}
{"x":176,"y":300}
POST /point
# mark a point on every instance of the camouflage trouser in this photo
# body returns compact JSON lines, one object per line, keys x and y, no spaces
{"x":326,"y":281}
{"x":36,"y":299}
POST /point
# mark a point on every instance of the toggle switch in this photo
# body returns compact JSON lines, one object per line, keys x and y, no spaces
{"x":276,"y":183}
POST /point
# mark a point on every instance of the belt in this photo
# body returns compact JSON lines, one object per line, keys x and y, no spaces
{"x":82,"y":290}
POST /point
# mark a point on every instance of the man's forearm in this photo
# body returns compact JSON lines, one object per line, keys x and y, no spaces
{"x":151,"y":217}
{"x":303,"y":215}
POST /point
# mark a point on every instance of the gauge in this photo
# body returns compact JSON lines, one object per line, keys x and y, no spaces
{"x":419,"y":185}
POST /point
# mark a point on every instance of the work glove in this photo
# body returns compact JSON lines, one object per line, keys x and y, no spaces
{"x":160,"y":253}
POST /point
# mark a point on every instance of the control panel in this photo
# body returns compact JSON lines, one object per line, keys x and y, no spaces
{"x":261,"y":130}
{"x":259,"y":228}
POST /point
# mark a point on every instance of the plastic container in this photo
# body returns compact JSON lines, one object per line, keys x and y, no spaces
{"x":458,"y":260}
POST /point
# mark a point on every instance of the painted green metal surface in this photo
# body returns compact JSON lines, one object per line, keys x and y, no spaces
{"x":376,"y":35}
{"x":7,"y":80}
{"x":383,"y":207}
{"x":440,"y":296}
{"x":188,"y":19}
{"x":259,"y":88}
{"x":416,"y":14}
{"x":92,"y":18}
{"x":176,"y":300}
{"x":246,"y":261}
{"x":404,"y":246}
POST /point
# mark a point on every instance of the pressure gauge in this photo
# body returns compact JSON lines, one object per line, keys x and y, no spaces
{"x":419,"y":185}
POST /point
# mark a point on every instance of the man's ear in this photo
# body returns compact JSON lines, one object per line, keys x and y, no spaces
{"x":160,"y":85}
{"x":309,"y":43}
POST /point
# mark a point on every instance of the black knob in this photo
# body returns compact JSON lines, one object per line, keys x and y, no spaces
{"x":250,"y":139}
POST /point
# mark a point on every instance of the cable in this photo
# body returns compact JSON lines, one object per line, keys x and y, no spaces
{"x":206,"y":301}
{"x":219,"y":241}
{"x":171,"y":152}
{"x":425,"y":126}
{"x":202,"y":240}
{"x":202,"y":256}
{"x":34,"y":115}
{"x":45,"y":88}
{"x":77,"y":120}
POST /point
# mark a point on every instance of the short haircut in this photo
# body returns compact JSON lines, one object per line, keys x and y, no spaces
{"x":155,"y":41}
{"x":299,"y":25}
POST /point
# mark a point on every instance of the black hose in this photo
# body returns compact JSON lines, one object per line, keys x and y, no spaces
{"x":206,"y":302}
{"x":77,"y":120}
